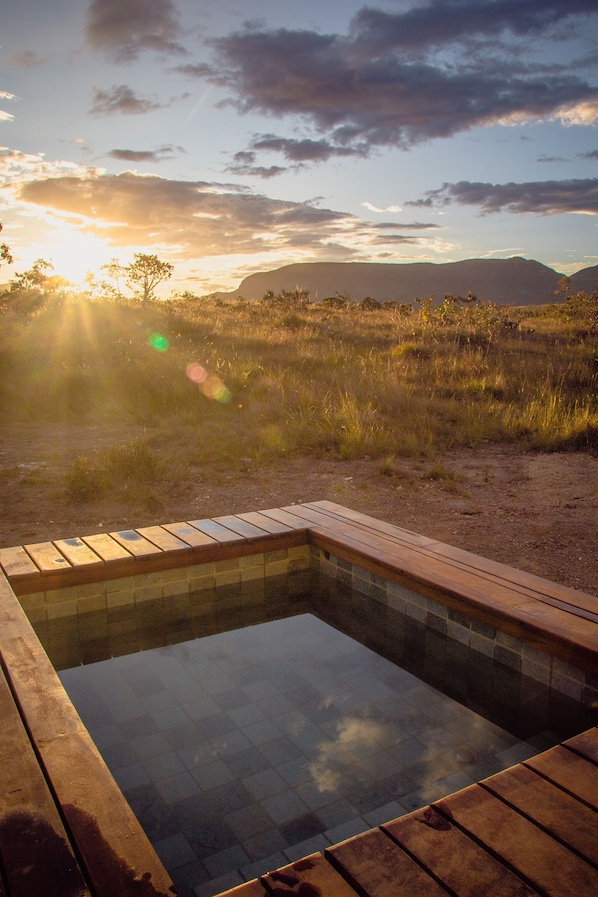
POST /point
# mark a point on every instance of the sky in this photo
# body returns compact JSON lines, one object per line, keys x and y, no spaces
{"x":229,"y":138}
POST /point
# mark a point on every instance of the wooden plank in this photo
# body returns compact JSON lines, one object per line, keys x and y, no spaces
{"x":310,"y":876}
{"x":560,"y":814}
{"x":164,"y":539}
{"x":572,"y":638}
{"x":263,"y":522}
{"x":78,"y":553}
{"x":107,"y":548}
{"x":569,"y":771}
{"x":585,"y":744}
{"x":287,"y":517}
{"x":35,"y":853}
{"x":237,"y":525}
{"x":189,"y":534}
{"x":249,"y":889}
{"x":16,"y":562}
{"x":115,"y":852}
{"x":377,"y":866}
{"x":543,"y":862}
{"x":364,"y":521}
{"x":136,"y":544}
{"x":47,"y":557}
{"x":216,"y":531}
{"x":527,"y":584}
{"x":453,"y":858}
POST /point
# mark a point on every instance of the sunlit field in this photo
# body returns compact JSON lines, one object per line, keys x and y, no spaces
{"x":226,"y":385}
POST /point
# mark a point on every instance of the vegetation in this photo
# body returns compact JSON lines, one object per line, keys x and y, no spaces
{"x":223,"y":386}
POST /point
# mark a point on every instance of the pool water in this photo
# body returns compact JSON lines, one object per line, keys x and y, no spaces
{"x":245,"y":750}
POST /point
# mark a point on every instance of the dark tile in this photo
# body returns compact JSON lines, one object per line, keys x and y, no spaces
{"x":187,"y":877}
{"x":248,"y":821}
{"x":231,"y":699}
{"x":210,"y":837}
{"x":302,"y":828}
{"x":370,"y":798}
{"x":218,"y":724}
{"x":157,"y":818}
{"x":279,"y":750}
{"x":247,"y":763}
{"x":230,"y":796}
{"x":138,"y":727}
{"x":184,"y":736}
{"x":265,"y":844}
{"x":120,"y":754}
{"x":190,"y":811}
{"x":145,"y":684}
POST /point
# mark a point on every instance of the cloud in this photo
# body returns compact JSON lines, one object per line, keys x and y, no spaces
{"x":373,"y":208}
{"x":536,"y":197}
{"x":400,"y":79}
{"x":160,"y":154}
{"x":121,"y":100}
{"x":440,"y":22}
{"x":199,"y":219}
{"x":591,"y":155}
{"x":27,"y":59}
{"x":6,"y":116}
{"x":126,"y":28}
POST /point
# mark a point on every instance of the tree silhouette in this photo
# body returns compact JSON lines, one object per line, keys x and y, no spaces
{"x":145,"y":273}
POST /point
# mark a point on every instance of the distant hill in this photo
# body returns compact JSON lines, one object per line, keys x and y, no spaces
{"x":514,"y":281}
{"x":586,"y":279}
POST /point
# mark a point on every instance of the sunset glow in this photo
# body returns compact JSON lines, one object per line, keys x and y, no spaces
{"x":411,"y":131}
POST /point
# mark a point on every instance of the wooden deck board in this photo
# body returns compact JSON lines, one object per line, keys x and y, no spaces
{"x":528,"y":584}
{"x":136,"y":544}
{"x":310,"y":876}
{"x":163,"y":539}
{"x":457,"y":862}
{"x":221,"y":534}
{"x":569,"y":771}
{"x":35,"y":851}
{"x":113,"y":848}
{"x":16,"y":563}
{"x":539,"y":859}
{"x":78,"y":553}
{"x":47,"y":557}
{"x":190,"y":535}
{"x":557,"y":812}
{"x":265,"y":523}
{"x":379,"y":867}
{"x":107,"y":548}
{"x":242,"y":527}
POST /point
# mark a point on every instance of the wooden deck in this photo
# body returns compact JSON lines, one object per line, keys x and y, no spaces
{"x":66,"y":829}
{"x":529,"y":831}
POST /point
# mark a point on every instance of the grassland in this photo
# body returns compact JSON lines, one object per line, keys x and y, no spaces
{"x":259,"y":381}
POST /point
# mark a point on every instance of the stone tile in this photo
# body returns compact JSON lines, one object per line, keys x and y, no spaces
{"x":174,"y":851}
{"x":346,"y":830}
{"x":284,"y":806}
{"x":265,"y":783}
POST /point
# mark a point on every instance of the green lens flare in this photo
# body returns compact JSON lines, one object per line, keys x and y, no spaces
{"x":158,"y":342}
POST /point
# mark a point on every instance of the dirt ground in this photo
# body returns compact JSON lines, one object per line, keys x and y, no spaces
{"x":535,"y":511}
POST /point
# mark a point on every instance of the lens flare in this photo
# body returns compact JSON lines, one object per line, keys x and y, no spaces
{"x":209,"y":384}
{"x":158,"y":342}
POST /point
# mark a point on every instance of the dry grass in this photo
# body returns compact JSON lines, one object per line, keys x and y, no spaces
{"x":284,"y":379}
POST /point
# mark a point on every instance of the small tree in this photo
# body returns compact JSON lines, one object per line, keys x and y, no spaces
{"x":5,"y":255}
{"x":145,"y":273}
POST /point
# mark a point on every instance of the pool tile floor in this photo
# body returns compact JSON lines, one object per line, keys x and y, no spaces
{"x":244,"y":751}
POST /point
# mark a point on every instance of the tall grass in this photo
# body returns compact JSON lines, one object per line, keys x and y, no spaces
{"x":338,"y":382}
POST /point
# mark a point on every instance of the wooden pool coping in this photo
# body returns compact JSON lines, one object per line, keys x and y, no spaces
{"x":48,"y":796}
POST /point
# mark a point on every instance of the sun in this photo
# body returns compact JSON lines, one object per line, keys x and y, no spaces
{"x":74,"y":253}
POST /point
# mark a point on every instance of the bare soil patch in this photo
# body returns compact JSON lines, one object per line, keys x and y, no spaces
{"x":535,"y":511}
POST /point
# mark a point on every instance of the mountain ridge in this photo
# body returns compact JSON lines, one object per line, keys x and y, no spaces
{"x":513,"y":281}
